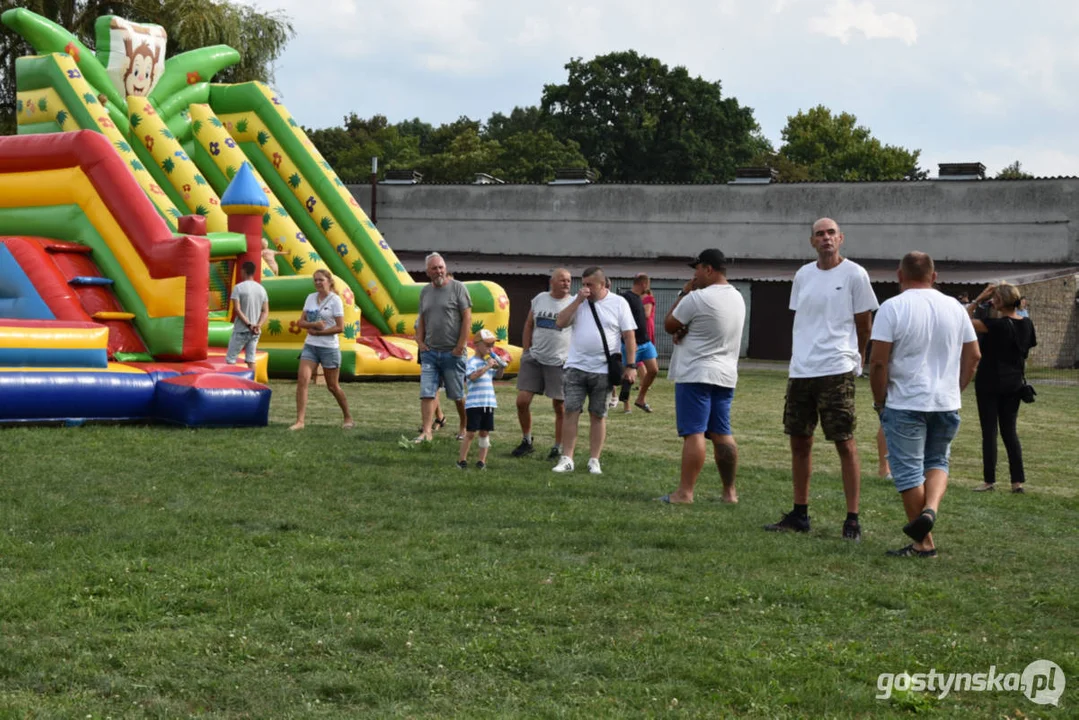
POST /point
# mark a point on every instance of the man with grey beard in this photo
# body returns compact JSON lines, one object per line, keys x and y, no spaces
{"x":442,"y":328}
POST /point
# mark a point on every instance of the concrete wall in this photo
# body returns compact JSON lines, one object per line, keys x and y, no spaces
{"x":988,"y":221}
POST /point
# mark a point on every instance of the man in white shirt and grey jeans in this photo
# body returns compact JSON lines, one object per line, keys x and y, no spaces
{"x":833,"y":303}
{"x":586,"y":375}
{"x":706,"y":321}
{"x":924,"y":354}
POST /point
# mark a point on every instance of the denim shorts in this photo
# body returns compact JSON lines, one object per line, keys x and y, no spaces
{"x":328,"y":358}
{"x":442,"y":366}
{"x":917,"y":443}
{"x":702,"y":408}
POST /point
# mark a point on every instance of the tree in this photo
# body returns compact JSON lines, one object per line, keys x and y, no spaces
{"x":533,"y":156}
{"x":260,"y":37}
{"x":833,"y":148}
{"x":349,"y":149}
{"x":1013,"y":172}
{"x":462,"y":157}
{"x":637,"y":120}
{"x":521,"y":120}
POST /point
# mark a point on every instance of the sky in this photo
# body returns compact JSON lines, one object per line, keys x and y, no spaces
{"x":990,"y":81}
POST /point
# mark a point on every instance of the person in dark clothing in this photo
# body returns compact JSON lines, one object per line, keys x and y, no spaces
{"x":1005,"y":342}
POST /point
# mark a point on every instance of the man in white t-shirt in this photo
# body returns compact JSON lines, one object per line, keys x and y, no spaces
{"x":924,"y":354}
{"x":833,"y":303}
{"x":586,"y":370}
{"x":706,"y":321}
{"x":545,"y":348}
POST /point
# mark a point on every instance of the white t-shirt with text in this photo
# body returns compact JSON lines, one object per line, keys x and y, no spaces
{"x":327,"y":311}
{"x":586,"y":347}
{"x":550,"y":343}
{"x":825,"y":302}
{"x":927,"y":330}
{"x":714,"y":317}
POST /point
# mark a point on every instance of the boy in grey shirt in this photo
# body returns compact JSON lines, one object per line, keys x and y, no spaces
{"x":252,"y":308}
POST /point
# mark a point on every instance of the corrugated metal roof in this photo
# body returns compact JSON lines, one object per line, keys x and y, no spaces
{"x":759,"y":270}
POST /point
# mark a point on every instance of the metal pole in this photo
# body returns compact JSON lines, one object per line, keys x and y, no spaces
{"x":374,"y":191}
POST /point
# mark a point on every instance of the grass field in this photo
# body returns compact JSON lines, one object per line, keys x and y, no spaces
{"x":158,"y":572}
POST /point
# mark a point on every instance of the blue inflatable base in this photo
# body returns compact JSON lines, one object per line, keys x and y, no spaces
{"x":212,"y":400}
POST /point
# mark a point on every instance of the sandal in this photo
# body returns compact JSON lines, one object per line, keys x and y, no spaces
{"x":920,"y":526}
{"x":986,"y":487}
{"x":1018,"y":490}
{"x":439,"y":423}
{"x":911,"y":551}
{"x":644,"y":406}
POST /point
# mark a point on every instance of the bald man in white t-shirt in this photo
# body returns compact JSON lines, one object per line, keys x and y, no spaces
{"x":833,"y":303}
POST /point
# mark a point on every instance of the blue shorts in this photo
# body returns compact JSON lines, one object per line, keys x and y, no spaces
{"x":442,"y":367}
{"x":917,"y":443}
{"x":645,"y":351}
{"x":702,"y":408}
{"x":328,"y":358}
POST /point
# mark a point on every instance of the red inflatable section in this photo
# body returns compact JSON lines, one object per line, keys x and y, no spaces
{"x":50,"y":265}
{"x":215,"y":381}
{"x":165,"y":254}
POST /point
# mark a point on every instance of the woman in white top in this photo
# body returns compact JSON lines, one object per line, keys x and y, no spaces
{"x":324,"y":319}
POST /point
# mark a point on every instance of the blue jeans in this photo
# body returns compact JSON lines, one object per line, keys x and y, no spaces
{"x":917,"y":443}
{"x":442,"y":365}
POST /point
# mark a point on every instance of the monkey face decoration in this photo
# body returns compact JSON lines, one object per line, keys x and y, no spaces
{"x":134,"y":55}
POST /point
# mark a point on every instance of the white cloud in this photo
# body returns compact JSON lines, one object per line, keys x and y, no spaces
{"x":990,"y":80}
{"x":844,"y":18}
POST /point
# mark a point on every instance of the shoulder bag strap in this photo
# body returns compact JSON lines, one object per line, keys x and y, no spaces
{"x":602,"y":335}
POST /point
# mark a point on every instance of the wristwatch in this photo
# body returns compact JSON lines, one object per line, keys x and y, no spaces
{"x":879,"y":407}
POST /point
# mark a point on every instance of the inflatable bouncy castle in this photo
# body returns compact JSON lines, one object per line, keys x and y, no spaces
{"x":121,"y":239}
{"x":184,"y":139}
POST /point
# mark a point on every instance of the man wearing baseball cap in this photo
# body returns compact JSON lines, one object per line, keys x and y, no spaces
{"x":706,"y":321}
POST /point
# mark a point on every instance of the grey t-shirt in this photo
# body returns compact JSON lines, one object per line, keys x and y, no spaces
{"x":441,"y":311}
{"x":550,"y":343}
{"x":248,"y":296}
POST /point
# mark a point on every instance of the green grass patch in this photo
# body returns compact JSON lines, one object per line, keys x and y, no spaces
{"x":159,"y":572}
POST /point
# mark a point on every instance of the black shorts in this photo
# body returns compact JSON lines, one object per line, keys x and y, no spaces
{"x":480,"y":418}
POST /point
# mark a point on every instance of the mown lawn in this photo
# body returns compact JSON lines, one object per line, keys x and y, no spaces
{"x":158,"y":572}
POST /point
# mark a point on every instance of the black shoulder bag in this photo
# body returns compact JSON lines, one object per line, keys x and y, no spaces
{"x":1026,"y":391}
{"x":614,"y":362}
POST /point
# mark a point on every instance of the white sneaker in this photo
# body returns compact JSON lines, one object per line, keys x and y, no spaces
{"x":593,"y":466}
{"x":564,"y":465}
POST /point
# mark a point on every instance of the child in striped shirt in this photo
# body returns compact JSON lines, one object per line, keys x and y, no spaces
{"x":480,"y":403}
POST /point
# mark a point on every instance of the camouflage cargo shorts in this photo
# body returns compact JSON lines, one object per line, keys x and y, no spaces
{"x":831,"y":398}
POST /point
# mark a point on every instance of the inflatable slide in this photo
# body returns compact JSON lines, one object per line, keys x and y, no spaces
{"x":103,"y":307}
{"x":185,"y":138}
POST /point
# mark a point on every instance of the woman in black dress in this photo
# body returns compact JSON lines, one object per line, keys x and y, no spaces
{"x":1005,"y":342}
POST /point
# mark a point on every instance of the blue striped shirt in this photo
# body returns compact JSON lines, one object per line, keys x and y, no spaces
{"x":481,"y":393}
